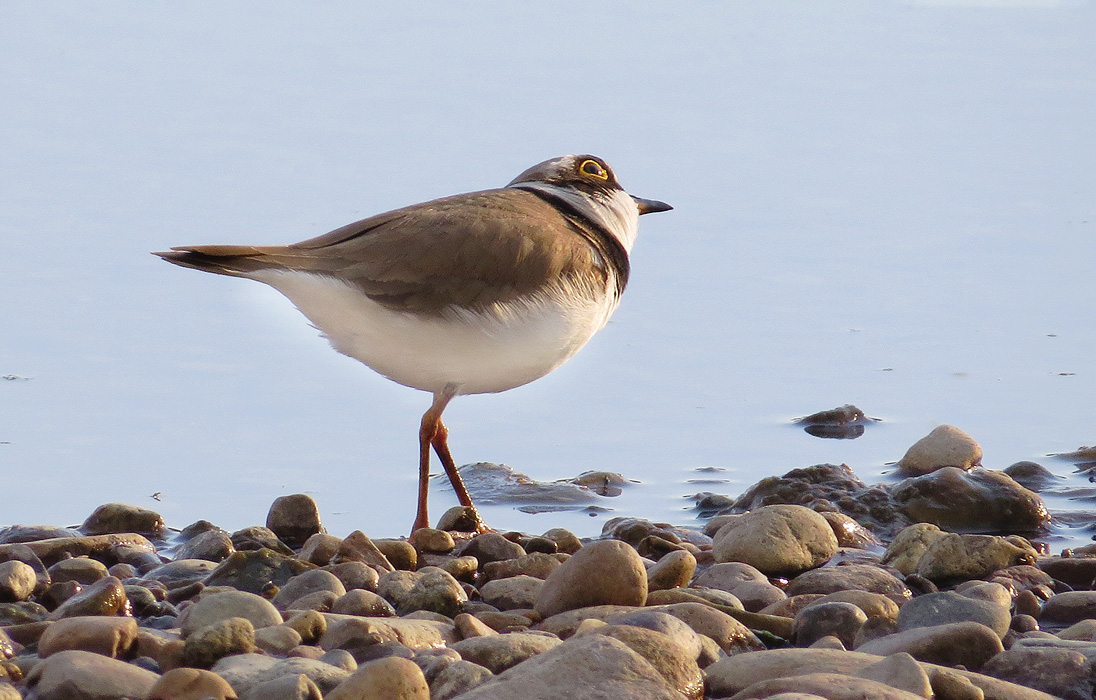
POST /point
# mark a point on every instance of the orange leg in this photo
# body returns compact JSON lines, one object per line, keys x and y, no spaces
{"x":432,"y":432}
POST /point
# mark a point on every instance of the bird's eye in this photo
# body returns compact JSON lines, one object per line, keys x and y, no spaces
{"x":594,"y":169}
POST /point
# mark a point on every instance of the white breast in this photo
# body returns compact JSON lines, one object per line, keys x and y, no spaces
{"x":505,"y":347}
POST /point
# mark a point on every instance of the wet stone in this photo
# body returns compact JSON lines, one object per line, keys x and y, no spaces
{"x":490,"y":547}
{"x":33,"y":533}
{"x":320,"y":548}
{"x":364,"y":603}
{"x":945,"y":446}
{"x":17,"y":581}
{"x":253,"y":570}
{"x":565,"y":540}
{"x":256,"y":538}
{"x":979,"y":501}
{"x":21,"y":613}
{"x":355,"y":574}
{"x":863,"y":577}
{"x":212,"y":545}
{"x":537,"y":565}
{"x":1032,"y":476}
{"x":306,"y":583}
{"x":293,"y":519}
{"x":181,"y":572}
{"x":82,"y":570}
{"x":104,"y":597}
{"x":433,"y":590}
{"x":118,"y":518}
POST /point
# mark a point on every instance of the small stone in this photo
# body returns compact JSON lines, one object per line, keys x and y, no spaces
{"x":181,"y":572}
{"x":910,"y":545}
{"x":945,"y":446}
{"x":358,"y":547}
{"x":469,"y":626}
{"x":115,"y":518}
{"x":82,"y":570}
{"x":104,"y":597}
{"x":277,"y":639}
{"x":320,"y":548}
{"x":675,"y":662}
{"x":512,"y":593}
{"x":390,"y":678}
{"x":728,"y":633}
{"x":873,"y":604}
{"x":899,"y":671}
{"x":294,"y":518}
{"x":363,"y":603}
{"x":501,"y":651}
{"x":212,"y":545}
{"x":849,"y":533}
{"x":827,"y":685}
{"x":215,"y":607}
{"x":756,"y":596}
{"x":606,"y":572}
{"x":863,"y":577}
{"x":779,"y":539}
{"x":109,"y":636}
{"x":95,"y":675}
{"x":433,"y":590}
{"x":310,"y":624}
{"x":671,"y":571}
{"x":432,"y":540}
{"x":17,"y":581}
{"x":968,"y":644}
{"x":841,"y":620}
{"x":205,"y":646}
{"x":191,"y":684}
{"x":1064,"y":673}
{"x":254,"y":570}
{"x":250,"y":539}
{"x":566,"y":541}
{"x":727,"y":576}
{"x":355,"y":574}
{"x":400,"y":553}
{"x":305,"y":583}
{"x":456,"y":678}
{"x":492,"y":546}
{"x":964,"y":557}
{"x":538,"y":565}
{"x":287,"y":687}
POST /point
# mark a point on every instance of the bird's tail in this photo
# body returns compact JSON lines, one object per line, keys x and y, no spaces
{"x":234,"y":260}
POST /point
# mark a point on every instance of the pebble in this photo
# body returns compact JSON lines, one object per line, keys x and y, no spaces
{"x":606,"y":572}
{"x":293,"y":519}
{"x":945,"y":446}
{"x":644,"y":612}
{"x":777,"y":540}
{"x":114,"y":518}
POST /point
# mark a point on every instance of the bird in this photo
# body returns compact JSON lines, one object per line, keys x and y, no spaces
{"x":473,"y":293}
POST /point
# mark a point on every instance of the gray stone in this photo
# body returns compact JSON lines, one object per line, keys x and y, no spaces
{"x":501,"y":651}
{"x":841,"y":620}
{"x":305,"y":583}
{"x":119,"y":518}
{"x":779,"y":539}
{"x":214,"y":607}
{"x":294,"y":518}
{"x":606,"y":572}
{"x":966,"y":644}
{"x":945,"y":607}
{"x":212,"y":545}
{"x":512,"y":593}
{"x":862,"y":577}
{"x":1063,"y":673}
{"x":98,"y":677}
{"x":204,"y":646}
{"x":364,"y":603}
{"x":434,"y":590}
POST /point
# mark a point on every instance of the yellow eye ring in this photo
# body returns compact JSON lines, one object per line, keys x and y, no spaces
{"x":594,"y":169}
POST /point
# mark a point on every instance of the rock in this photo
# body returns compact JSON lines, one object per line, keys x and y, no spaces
{"x":780,"y":539}
{"x":391,"y":678}
{"x":681,"y":634}
{"x":565,"y":540}
{"x":96,"y":546}
{"x":212,"y":545}
{"x":671,"y":571}
{"x":900,"y":671}
{"x":355,"y":574}
{"x":501,"y":651}
{"x":191,"y":684}
{"x":945,"y":446}
{"x":432,"y":540}
{"x":358,"y":547}
{"x":109,"y":636}
{"x":320,"y":549}
{"x":1032,"y":476}
{"x":253,"y":570}
{"x":1069,"y":607}
{"x":969,"y":644}
{"x":344,"y":631}
{"x":306,"y":583}
{"x":832,"y":686}
{"x":841,"y":620}
{"x":82,"y":570}
{"x":873,"y":604}
{"x":278,"y":640}
{"x":849,"y":533}
{"x":17,"y":581}
{"x":434,"y":590}
{"x":587,"y":667}
{"x":727,"y":576}
{"x":400,"y":553}
{"x":861,"y":577}
{"x":204,"y":646}
{"x":980,"y":502}
{"x":832,"y":488}
{"x":728,"y":633}
{"x":288,"y":687}
{"x":310,"y":624}
{"x":214,"y":607}
{"x":675,"y":662}
{"x":1063,"y":673}
{"x":606,"y":572}
{"x":941,"y":608}
{"x":294,"y":518}
{"x":963,"y":557}
{"x":456,"y":678}
{"x":98,"y":678}
{"x":250,"y":539}
{"x":181,"y":572}
{"x":364,"y":603}
{"x":104,"y":597}
{"x":492,"y":546}
{"x":756,"y":596}
{"x":537,"y":565}
{"x":115,"y":518}
{"x":909,"y":546}
{"x":844,"y":422}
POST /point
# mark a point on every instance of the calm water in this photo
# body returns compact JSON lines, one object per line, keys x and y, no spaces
{"x":880,"y":203}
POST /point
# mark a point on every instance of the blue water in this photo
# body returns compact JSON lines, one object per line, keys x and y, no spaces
{"x":880,"y":203}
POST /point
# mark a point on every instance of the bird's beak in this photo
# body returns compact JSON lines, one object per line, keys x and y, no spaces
{"x":649,"y":206}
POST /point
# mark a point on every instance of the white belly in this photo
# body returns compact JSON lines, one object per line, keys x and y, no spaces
{"x":477,"y":352}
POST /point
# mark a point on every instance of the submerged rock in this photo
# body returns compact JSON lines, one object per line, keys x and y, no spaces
{"x":979,"y":502}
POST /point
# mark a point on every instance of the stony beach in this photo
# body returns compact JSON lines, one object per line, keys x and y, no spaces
{"x":808,"y":585}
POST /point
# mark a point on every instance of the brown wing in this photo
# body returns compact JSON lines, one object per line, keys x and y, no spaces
{"x":473,"y":250}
